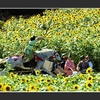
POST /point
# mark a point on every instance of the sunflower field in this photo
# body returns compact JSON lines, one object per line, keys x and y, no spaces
{"x":89,"y":82}
{"x":67,"y":30}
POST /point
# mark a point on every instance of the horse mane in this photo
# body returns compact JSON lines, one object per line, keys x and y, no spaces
{"x":43,"y":50}
{"x":44,"y":53}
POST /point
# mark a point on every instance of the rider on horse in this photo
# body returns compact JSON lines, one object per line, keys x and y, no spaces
{"x":29,"y":51}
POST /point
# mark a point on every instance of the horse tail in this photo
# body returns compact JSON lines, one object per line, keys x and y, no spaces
{"x":3,"y":60}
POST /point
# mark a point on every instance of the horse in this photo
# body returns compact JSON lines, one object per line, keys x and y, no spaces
{"x":46,"y":54}
{"x":41,"y":56}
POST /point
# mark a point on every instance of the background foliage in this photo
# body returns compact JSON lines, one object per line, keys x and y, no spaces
{"x":68,"y":30}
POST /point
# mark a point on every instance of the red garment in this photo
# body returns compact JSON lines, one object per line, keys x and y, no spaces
{"x":69,"y":64}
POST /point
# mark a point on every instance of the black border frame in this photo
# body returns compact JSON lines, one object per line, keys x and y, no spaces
{"x":48,"y":3}
{"x":44,"y":4}
{"x":49,"y":95}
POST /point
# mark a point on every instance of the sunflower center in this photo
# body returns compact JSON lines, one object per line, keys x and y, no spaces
{"x":76,"y":87}
{"x":90,"y":78}
{"x":32,"y":87}
{"x":7,"y":88}
{"x":89,"y":85}
{"x":48,"y":80}
{"x":0,"y":86}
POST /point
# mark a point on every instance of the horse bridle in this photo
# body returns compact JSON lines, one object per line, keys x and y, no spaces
{"x":53,"y":56}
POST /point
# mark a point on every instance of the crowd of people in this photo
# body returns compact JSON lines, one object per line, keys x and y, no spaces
{"x":67,"y":66}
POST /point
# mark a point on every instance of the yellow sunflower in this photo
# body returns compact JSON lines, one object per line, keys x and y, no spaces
{"x":48,"y":81}
{"x":76,"y":87}
{"x":1,"y":86}
{"x":27,"y":80}
{"x":7,"y":88}
{"x":50,"y":88}
{"x":32,"y":87}
{"x":22,"y":80}
{"x":11,"y":74}
{"x":90,"y":78}
{"x":88,"y":70}
{"x":88,"y":84}
{"x":37,"y":72}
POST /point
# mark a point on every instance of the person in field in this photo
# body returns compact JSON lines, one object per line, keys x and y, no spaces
{"x":64,"y":58}
{"x":29,"y":50}
{"x":89,"y":61}
{"x":82,"y":65}
{"x":69,"y":66}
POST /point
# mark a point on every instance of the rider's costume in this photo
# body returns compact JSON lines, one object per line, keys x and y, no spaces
{"x":30,"y":49}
